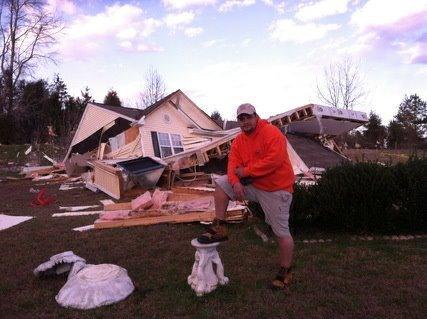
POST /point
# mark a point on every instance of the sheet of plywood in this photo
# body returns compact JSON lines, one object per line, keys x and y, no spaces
{"x":131,"y":134}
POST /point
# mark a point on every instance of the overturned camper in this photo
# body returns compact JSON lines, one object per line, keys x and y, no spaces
{"x":258,"y":170}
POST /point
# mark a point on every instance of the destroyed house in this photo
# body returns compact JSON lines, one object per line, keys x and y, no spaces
{"x":176,"y":130}
{"x":166,"y":128}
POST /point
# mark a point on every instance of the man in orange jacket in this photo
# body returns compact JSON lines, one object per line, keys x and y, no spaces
{"x":258,"y":170}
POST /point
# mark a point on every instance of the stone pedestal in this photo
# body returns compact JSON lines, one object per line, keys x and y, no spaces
{"x":205,"y":277}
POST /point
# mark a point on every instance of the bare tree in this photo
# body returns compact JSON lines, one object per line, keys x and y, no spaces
{"x":342,"y":86}
{"x":154,"y":87}
{"x":27,"y":31}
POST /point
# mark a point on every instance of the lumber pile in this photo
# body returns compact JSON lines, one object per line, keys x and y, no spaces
{"x":179,"y":206}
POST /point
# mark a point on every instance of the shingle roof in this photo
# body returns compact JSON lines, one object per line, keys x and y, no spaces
{"x":135,"y":114}
{"x":126,"y":111}
{"x":313,"y":153}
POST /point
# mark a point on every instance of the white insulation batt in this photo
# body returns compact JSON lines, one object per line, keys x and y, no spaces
{"x":7,"y":221}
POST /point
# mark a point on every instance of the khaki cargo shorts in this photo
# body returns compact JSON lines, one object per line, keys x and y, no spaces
{"x":274,"y":204}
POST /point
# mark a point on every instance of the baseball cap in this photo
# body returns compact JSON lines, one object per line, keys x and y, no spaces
{"x":246,"y":108}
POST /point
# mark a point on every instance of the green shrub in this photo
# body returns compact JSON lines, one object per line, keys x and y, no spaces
{"x":365,"y":197}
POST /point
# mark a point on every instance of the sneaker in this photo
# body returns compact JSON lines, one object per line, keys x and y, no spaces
{"x":283,"y":279}
{"x":216,"y":232}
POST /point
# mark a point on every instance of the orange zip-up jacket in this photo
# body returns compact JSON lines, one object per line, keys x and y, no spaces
{"x":264,"y":156}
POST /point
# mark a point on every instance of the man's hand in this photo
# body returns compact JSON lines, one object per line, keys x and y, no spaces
{"x":240,"y":172}
{"x":239,"y":190}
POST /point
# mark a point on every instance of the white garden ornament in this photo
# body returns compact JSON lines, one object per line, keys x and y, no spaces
{"x":88,"y":286}
{"x":204,"y":279}
{"x":95,"y":286}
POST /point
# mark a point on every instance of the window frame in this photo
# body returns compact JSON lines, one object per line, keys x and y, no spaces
{"x":171,"y":144}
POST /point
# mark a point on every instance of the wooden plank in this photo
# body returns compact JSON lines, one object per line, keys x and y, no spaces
{"x":95,"y":212}
{"x":145,"y":221}
{"x":118,"y":206}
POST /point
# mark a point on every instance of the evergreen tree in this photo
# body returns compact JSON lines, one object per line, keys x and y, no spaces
{"x":395,"y":135}
{"x":411,"y":116}
{"x":112,"y":98}
{"x":216,"y":116}
{"x":375,"y":132}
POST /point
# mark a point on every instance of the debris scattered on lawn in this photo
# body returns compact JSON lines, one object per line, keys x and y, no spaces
{"x":28,"y":151}
{"x":50,"y":159}
{"x":106,"y":202}
{"x":34,"y":190}
{"x":58,"y":264}
{"x":94,"y":212}
{"x":181,"y":205}
{"x":260,"y":234}
{"x":87,"y":286}
{"x":67,"y":187}
{"x":77,"y":208}
{"x":84,"y":228}
{"x":42,"y":199}
{"x":7,"y":221}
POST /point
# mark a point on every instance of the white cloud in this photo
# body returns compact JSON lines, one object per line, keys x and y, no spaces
{"x":384,"y":12}
{"x":123,"y":25}
{"x":245,"y":43}
{"x":321,"y":9}
{"x":182,"y":4}
{"x":230,"y":4}
{"x":211,"y":43}
{"x":268,"y":2}
{"x":192,"y":32}
{"x":175,"y":20}
{"x":65,"y":6}
{"x":286,"y":30}
{"x":281,"y":7}
{"x":241,"y":82}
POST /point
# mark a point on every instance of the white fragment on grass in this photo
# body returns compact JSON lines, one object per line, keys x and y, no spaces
{"x":96,"y":212}
{"x":66,"y":187}
{"x":7,"y":221}
{"x":260,"y":234}
{"x":106,"y":202}
{"x":77,"y":208}
{"x":28,"y":151}
{"x":84,"y":228}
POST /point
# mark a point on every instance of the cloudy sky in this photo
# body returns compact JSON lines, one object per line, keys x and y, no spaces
{"x":222,"y":53}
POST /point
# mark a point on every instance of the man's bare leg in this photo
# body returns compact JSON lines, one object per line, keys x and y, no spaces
{"x":286,"y":250}
{"x":221,"y":203}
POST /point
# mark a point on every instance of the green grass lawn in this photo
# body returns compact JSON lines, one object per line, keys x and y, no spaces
{"x":341,"y":279}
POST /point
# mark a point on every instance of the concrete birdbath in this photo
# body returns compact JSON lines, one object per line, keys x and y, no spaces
{"x":208,"y":270}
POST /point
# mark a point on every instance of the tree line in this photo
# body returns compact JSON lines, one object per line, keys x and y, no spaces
{"x":407,"y":129}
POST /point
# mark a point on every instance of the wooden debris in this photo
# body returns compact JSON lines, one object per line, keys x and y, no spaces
{"x":108,"y":179}
{"x":178,"y":218}
{"x":95,"y":212}
{"x":77,"y":208}
{"x":118,"y":206}
{"x":105,"y":202}
{"x":84,"y":228}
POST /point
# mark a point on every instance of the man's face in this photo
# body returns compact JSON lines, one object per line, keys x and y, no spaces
{"x":247,"y":122}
